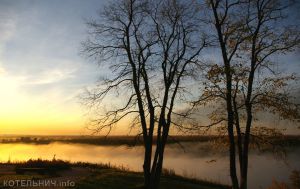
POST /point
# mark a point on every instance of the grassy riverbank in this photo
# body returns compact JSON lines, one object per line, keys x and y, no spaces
{"x":86,"y":175}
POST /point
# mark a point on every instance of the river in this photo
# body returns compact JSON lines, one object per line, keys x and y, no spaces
{"x":194,"y":160}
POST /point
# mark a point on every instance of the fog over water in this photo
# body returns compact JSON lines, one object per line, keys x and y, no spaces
{"x":195,"y":160}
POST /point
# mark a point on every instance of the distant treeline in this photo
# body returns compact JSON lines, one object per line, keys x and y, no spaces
{"x":286,"y":140}
{"x":101,"y":140}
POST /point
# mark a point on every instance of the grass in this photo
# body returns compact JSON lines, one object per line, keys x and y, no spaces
{"x":49,"y":164}
{"x":293,"y":184}
{"x":115,"y":179}
{"x":106,"y":176}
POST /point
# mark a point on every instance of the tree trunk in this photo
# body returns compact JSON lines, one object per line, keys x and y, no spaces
{"x":157,"y":164}
{"x":156,"y":175}
{"x":248,"y":105}
{"x":244,"y":173}
{"x":147,"y":163}
{"x":230,"y":125}
{"x":239,"y":134}
{"x":233,"y":176}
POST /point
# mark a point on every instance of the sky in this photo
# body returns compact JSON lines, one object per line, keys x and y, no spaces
{"x":41,"y":70}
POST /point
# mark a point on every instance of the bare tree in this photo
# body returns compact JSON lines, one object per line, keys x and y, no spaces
{"x":151,"y":48}
{"x":249,"y":33}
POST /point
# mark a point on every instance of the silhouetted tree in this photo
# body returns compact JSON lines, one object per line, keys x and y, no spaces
{"x":151,"y":47}
{"x":227,"y":21}
{"x":267,"y":35}
{"x":248,"y":34}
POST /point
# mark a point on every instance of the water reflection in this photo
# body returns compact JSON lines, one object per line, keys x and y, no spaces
{"x":196,"y":161}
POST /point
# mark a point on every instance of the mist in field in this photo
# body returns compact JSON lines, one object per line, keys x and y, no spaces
{"x":190,"y":159}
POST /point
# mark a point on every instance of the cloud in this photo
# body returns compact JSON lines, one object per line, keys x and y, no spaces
{"x":40,"y":42}
{"x":2,"y":71}
{"x":41,"y":73}
{"x":7,"y":28}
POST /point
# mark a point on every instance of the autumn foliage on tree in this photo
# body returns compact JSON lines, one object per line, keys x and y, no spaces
{"x":249,"y":34}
